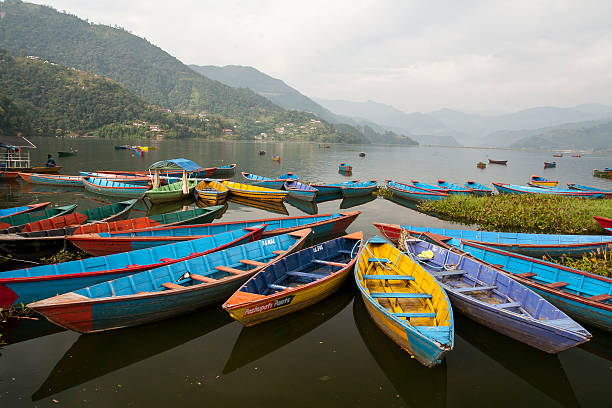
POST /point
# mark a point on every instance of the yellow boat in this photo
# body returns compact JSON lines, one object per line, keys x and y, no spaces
{"x":297,"y":281}
{"x":255,"y":192}
{"x":541,"y":181}
{"x":405,"y":301}
{"x":211,"y":191}
{"x":143,"y":148}
{"x":271,"y":206}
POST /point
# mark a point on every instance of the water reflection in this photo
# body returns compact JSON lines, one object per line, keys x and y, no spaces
{"x":350,"y":202}
{"x":417,"y":385}
{"x":306,"y":206}
{"x":328,"y":197}
{"x":541,"y":370}
{"x":17,"y":330}
{"x":600,"y":344}
{"x":258,"y":341}
{"x":94,"y":355}
{"x":172,"y":206}
{"x":404,"y":203}
{"x":271,"y":206}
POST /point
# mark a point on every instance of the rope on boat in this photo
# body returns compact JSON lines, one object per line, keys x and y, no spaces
{"x":10,"y":258}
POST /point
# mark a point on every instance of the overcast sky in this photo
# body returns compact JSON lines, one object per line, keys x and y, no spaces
{"x":415,"y":55}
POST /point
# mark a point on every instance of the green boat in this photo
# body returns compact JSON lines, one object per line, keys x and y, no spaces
{"x":14,"y":223}
{"x":67,"y":153}
{"x":170,"y":192}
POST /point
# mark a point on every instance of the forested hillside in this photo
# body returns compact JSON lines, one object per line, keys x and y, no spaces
{"x":13,"y":117}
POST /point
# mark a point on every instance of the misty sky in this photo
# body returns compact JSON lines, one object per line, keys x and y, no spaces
{"x":485,"y":56}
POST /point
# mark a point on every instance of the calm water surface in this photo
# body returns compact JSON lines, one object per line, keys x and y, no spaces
{"x":328,"y":355}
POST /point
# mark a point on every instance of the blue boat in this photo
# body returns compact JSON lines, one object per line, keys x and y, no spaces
{"x":362,"y":188}
{"x":478,"y":189}
{"x":113,"y":188}
{"x":405,"y":301}
{"x":161,"y":293}
{"x":429,"y":187}
{"x":451,"y":188}
{"x":127,"y":179}
{"x":606,"y":193}
{"x":413,"y":193}
{"x":300,"y":191}
{"x":345,"y":168}
{"x":52,"y":179}
{"x":332,"y":188}
{"x":7,"y":212}
{"x":537,"y":245}
{"x":505,"y":188}
{"x":15,"y":223}
{"x":584,"y":296}
{"x":267,"y":182}
{"x":497,"y":301}
{"x":22,"y":286}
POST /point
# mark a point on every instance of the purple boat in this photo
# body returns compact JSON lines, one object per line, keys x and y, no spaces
{"x":497,"y":301}
{"x":300,"y":191}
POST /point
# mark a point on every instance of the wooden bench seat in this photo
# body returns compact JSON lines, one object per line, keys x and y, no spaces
{"x":387,"y":277}
{"x":305,"y":275}
{"x":556,"y":285}
{"x":475,"y":289}
{"x":278,"y":252}
{"x":400,"y":295}
{"x":527,"y":275}
{"x":277,"y":287}
{"x":414,"y":315}
{"x":202,"y":278}
{"x":173,"y":286}
{"x":251,"y":262}
{"x":508,"y":305}
{"x":454,"y":272}
{"x":600,"y":298}
{"x":342,"y":265}
{"x":227,"y":269}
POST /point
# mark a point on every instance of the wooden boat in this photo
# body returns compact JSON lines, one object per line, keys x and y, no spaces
{"x":453,"y":188}
{"x":255,"y":192}
{"x":300,"y":191}
{"x":227,"y":170}
{"x":113,"y":188}
{"x":550,"y":165}
{"x":122,"y":147}
{"x":67,"y":153}
{"x":558,"y":155}
{"x":502,"y":162}
{"x":22,"y":286}
{"x":413,"y":193}
{"x":262,"y":152}
{"x":575,"y":155}
{"x":99,"y":244}
{"x":537,"y":181}
{"x":604,"y":222}
{"x":362,"y":154}
{"x":277,"y":207}
{"x":605,"y":173}
{"x":536,"y":245}
{"x":267,"y":182}
{"x":171,"y":192}
{"x":211,"y":191}
{"x":481,"y":165}
{"x":41,"y":169}
{"x":308,"y":207}
{"x":120,"y":178}
{"x":333,"y":188}
{"x":295,"y":282}
{"x":8,"y":175}
{"x":7,"y":212}
{"x":495,"y":300}
{"x":15,"y":223}
{"x":606,"y":193}
{"x":345,"y":168}
{"x":105,"y":213}
{"x":477,"y":188}
{"x":584,"y":296}
{"x":405,"y":301}
{"x":52,"y":179}
{"x":160,"y":293}
{"x":429,"y":187}
{"x":362,"y":188}
{"x":504,"y":188}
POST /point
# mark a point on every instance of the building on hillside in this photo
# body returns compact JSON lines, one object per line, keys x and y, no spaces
{"x":228,"y":132}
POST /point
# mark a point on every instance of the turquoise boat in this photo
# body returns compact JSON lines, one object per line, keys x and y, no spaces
{"x":7,"y":212}
{"x":606,"y":193}
{"x":504,"y":188}
{"x":333,"y":188}
{"x":168,"y":291}
{"x":14,"y":223}
{"x":453,"y":188}
{"x":300,"y":191}
{"x":413,"y":193}
{"x":267,"y":182}
{"x":363,"y":188}
{"x":113,"y":188}
{"x":477,"y":188}
{"x":52,"y":179}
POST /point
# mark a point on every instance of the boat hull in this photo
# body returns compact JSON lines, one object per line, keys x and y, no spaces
{"x":52,"y":180}
{"x":115,"y":189}
{"x":358,"y":191}
{"x":413,"y":193}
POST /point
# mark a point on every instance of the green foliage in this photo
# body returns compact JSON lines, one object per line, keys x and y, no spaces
{"x":544,"y":214}
{"x":13,"y":117}
{"x":64,"y":256}
{"x":599,"y":263}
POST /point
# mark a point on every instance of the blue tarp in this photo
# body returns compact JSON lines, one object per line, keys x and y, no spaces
{"x":176,"y":164}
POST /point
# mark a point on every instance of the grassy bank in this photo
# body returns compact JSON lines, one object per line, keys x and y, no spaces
{"x":523,"y":213}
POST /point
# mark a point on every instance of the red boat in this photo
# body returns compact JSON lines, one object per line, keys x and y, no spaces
{"x":502,"y":162}
{"x":604,"y":222}
{"x":8,"y":175}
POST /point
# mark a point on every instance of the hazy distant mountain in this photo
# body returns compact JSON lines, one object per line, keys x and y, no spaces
{"x":589,"y":136}
{"x":422,"y":127}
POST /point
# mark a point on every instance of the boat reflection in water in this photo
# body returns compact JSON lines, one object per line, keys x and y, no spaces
{"x":404,"y":203}
{"x":350,"y":202}
{"x":95,"y":355}
{"x":328,"y":197}
{"x":17,"y":330}
{"x":417,"y":385}
{"x":172,"y":206}
{"x":305,"y":206}
{"x":271,"y":206}
{"x":203,"y":204}
{"x":540,"y":370}
{"x":256,"y":342}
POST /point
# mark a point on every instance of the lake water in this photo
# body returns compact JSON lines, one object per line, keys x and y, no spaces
{"x":328,"y":355}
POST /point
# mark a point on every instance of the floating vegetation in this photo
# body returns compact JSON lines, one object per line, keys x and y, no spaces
{"x":599,"y":263}
{"x":523,"y":213}
{"x":383,"y":191}
{"x":64,"y":255}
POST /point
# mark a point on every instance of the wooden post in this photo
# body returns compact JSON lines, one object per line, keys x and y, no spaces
{"x":185,"y":186}
{"x":156,"y":180}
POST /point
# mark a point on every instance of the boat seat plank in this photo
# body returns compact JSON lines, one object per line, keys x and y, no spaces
{"x":555,"y":285}
{"x":387,"y":277}
{"x":409,"y":315}
{"x":381,"y":260}
{"x":277,"y":287}
{"x":227,"y":269}
{"x":343,"y":265}
{"x":305,"y":275}
{"x":344,"y":251}
{"x":278,"y":252}
{"x":508,"y":305}
{"x":401,"y":295}
{"x":202,"y":278}
{"x":173,"y":286}
{"x":454,"y":272}
{"x":251,"y":262}
{"x":600,"y":298}
{"x":527,"y":275}
{"x":475,"y":289}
